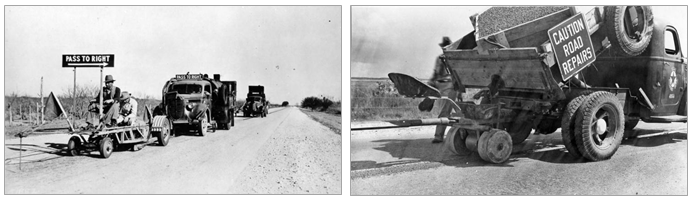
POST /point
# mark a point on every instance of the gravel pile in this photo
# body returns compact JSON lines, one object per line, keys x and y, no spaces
{"x":496,"y":19}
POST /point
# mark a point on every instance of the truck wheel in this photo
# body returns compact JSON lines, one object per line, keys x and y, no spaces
{"x":106,"y":147}
{"x":599,"y":126}
{"x":520,"y":129}
{"x":232,"y":116}
{"x":202,"y":126}
{"x":74,"y":146}
{"x":629,"y":28}
{"x":495,"y":146}
{"x":568,"y":121}
{"x":455,"y":141}
{"x":164,"y":135}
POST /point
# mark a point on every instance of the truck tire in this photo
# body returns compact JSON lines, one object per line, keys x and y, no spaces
{"x":231,"y":115}
{"x":106,"y":147}
{"x":74,"y":146}
{"x":599,"y":126}
{"x":520,"y":129}
{"x":568,"y":120}
{"x":202,"y":126}
{"x":455,"y":141}
{"x":164,"y":135}
{"x":628,"y":39}
{"x":495,"y":146}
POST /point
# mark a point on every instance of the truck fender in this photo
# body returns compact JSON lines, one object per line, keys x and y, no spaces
{"x":198,"y":111}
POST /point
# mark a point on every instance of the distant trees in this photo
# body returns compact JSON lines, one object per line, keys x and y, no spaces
{"x":316,"y":103}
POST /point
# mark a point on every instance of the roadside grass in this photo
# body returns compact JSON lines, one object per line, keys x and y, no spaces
{"x":378,"y":99}
{"x":331,"y":118}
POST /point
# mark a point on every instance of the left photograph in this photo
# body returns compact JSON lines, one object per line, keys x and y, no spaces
{"x":201,"y":100}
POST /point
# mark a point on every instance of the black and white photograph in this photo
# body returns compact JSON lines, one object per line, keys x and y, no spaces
{"x":202,"y":100}
{"x":518,"y":100}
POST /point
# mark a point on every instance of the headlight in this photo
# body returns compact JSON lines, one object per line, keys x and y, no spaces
{"x":188,"y":107}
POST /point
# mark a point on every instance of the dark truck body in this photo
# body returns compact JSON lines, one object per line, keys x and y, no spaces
{"x":256,"y":102}
{"x":193,"y":100}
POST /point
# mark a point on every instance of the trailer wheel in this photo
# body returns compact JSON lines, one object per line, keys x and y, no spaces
{"x":568,"y":124}
{"x":455,"y":141}
{"x":629,"y":28}
{"x":74,"y":146}
{"x":495,"y":146}
{"x":164,"y":135}
{"x":599,"y":126}
{"x":106,"y":147}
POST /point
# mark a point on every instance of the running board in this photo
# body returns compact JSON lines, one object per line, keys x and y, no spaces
{"x":666,"y":119}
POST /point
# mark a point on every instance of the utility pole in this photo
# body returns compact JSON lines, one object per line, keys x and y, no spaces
{"x":41,"y":96}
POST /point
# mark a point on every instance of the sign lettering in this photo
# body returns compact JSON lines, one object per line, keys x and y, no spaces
{"x":572,"y":46}
{"x":88,"y":60}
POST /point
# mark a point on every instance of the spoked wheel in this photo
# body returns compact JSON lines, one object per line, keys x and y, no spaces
{"x":599,"y":126}
{"x":106,"y":147}
{"x":74,"y":146}
{"x":202,"y":127}
{"x":495,"y":146}
{"x":455,"y":141}
{"x":165,"y":134}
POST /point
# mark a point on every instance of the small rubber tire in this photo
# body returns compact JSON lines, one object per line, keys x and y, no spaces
{"x":622,"y":42}
{"x":74,"y":146}
{"x":455,"y":141}
{"x":599,"y":105}
{"x":106,"y":147}
{"x":495,"y":146}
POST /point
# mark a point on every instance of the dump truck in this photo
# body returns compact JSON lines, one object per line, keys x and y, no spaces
{"x":197,"y":102}
{"x":593,"y":75}
{"x":256,"y":102}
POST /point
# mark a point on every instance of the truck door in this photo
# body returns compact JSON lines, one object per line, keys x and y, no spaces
{"x":674,"y":70}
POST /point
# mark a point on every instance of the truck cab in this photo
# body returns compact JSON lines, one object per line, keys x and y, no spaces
{"x":198,"y":102}
{"x":656,"y":78}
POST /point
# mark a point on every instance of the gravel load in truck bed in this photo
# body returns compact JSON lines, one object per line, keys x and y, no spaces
{"x":496,"y":19}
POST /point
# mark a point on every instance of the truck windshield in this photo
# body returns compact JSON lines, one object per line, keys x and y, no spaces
{"x":186,"y":88}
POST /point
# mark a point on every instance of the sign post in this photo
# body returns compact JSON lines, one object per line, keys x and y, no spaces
{"x":86,"y":61}
{"x":572,"y":46}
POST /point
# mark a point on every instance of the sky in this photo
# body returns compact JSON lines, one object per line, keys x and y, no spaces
{"x":294,"y":51}
{"x":405,"y":39}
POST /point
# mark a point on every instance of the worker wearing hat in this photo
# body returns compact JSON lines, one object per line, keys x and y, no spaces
{"x":109,"y":93}
{"x":128,"y":110}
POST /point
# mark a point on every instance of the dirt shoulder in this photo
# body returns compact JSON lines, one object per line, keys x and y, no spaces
{"x":331,"y":121}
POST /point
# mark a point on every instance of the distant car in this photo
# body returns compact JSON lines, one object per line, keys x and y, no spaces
{"x":284,"y":104}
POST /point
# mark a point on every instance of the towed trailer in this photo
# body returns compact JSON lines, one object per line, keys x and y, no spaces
{"x":134,"y":137}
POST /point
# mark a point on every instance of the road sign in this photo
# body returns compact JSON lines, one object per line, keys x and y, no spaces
{"x":572,"y":46}
{"x":88,"y":60}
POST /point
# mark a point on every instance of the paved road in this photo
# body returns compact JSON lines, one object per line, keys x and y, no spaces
{"x":404,"y":162}
{"x":219,"y":163}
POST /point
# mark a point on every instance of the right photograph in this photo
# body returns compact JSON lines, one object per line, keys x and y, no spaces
{"x":519,"y":100}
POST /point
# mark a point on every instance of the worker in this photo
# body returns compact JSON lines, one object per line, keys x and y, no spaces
{"x":110,"y":106}
{"x":128,"y":110}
